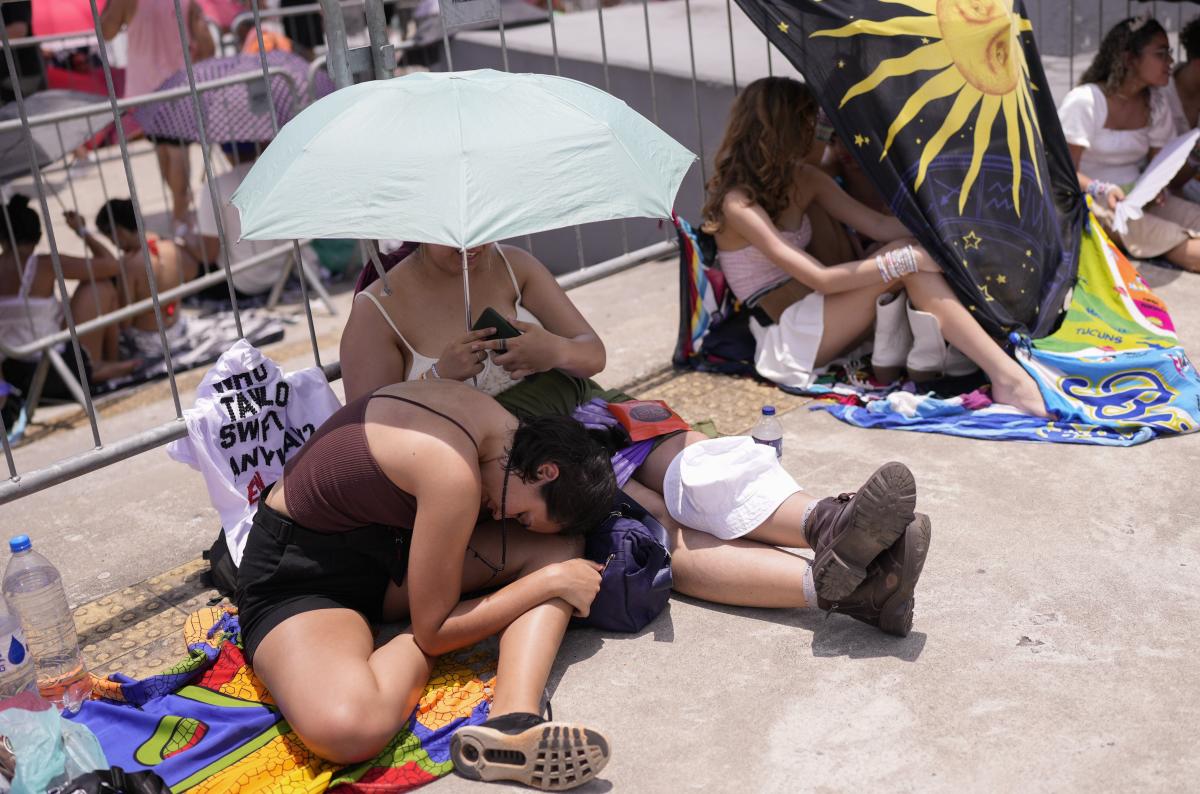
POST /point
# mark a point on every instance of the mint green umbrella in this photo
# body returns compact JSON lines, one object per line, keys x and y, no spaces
{"x":459,"y":158}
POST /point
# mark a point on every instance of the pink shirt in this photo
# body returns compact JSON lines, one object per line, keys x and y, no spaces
{"x":750,"y":273}
{"x":154,"y":50}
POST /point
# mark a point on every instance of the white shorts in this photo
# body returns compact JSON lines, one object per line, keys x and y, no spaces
{"x":726,"y":486}
{"x":786,"y":352}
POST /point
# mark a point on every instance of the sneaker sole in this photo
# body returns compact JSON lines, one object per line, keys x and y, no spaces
{"x":883,"y":507}
{"x":897,"y":614}
{"x":553,"y":756}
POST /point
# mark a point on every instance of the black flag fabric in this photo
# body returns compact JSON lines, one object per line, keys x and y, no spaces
{"x":945,"y":106}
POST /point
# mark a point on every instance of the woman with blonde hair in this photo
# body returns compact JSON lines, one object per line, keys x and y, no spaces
{"x":808,"y":315}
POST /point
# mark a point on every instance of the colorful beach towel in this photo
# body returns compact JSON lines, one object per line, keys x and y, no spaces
{"x":1113,"y":372}
{"x":208,"y":724}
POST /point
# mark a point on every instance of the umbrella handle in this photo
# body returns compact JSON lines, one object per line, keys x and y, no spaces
{"x":467,"y":300}
{"x":373,"y":253}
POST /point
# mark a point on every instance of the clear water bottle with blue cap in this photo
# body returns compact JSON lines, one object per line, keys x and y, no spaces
{"x":16,"y":665}
{"x":34,"y":591}
{"x":769,"y":431}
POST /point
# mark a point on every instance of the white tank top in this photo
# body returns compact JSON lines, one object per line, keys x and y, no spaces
{"x":494,"y":379}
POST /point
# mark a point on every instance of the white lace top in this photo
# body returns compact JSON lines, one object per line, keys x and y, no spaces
{"x":494,"y":379}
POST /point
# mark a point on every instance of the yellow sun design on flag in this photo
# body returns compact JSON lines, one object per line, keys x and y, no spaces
{"x":976,"y":50}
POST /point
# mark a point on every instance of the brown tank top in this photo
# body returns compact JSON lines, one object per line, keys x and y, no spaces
{"x":333,"y":484}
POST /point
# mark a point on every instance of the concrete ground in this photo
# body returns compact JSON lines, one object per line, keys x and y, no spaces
{"x":1053,"y":648}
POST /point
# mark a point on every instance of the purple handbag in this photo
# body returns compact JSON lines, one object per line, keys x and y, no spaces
{"x":636,"y":581}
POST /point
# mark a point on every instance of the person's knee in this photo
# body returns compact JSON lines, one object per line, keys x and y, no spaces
{"x":349,"y":732}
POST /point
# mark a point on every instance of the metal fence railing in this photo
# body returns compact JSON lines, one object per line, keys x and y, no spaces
{"x":678,"y":61}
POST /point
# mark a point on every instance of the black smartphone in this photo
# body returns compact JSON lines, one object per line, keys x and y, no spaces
{"x":493,"y":319}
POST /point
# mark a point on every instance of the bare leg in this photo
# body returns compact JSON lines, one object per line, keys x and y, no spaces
{"x":364,"y":696}
{"x":530,"y":643}
{"x":1011,"y":384}
{"x":849,"y":316}
{"x":175,"y":168}
{"x":1186,"y":255}
{"x":738,"y":572}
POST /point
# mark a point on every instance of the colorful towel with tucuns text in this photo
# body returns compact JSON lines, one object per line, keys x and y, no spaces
{"x":209,"y":725}
{"x":1114,"y":372}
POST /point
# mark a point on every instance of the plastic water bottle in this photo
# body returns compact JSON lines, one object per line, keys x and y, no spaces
{"x":768,"y":430}
{"x":16,"y":664}
{"x":34,"y":590}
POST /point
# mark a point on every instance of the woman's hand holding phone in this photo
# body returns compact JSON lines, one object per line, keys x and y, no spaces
{"x":463,"y":358}
{"x":535,"y":350}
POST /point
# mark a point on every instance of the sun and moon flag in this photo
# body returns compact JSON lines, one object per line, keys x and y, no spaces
{"x":945,"y":106}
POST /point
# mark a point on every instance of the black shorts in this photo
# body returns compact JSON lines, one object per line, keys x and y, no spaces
{"x":288,"y":569}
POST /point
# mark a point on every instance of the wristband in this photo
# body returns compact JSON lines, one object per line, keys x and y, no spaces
{"x":434,"y":370}
{"x":896,"y":263}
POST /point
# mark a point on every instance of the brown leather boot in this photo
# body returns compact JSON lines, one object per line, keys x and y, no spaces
{"x":846,"y":532}
{"x":885,"y":599}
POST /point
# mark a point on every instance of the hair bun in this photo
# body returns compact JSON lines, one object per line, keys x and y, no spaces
{"x":19,"y":201}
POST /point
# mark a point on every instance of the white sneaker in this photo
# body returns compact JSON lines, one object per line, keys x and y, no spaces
{"x":893,"y":337}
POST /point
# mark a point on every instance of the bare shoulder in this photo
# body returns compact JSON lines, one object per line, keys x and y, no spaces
{"x":524,"y":264}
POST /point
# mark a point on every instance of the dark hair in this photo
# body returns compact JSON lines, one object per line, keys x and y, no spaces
{"x":122,"y":215}
{"x":1189,"y":37}
{"x":1128,"y":37}
{"x":770,"y":130}
{"x":582,"y":494}
{"x":23,"y":222}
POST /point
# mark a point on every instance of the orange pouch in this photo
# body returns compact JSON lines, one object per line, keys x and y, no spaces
{"x":647,"y":418}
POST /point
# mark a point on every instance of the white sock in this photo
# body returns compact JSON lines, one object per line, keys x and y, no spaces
{"x":810,"y":588}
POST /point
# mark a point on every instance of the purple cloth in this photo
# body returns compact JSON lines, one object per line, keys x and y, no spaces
{"x":594,"y":415}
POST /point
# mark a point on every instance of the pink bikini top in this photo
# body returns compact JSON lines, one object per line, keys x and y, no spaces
{"x":748,"y":271}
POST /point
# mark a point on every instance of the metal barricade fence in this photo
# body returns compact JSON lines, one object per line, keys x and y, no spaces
{"x":635,"y":50}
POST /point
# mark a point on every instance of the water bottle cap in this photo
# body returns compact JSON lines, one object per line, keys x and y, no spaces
{"x":768,"y":410}
{"x":19,"y":543}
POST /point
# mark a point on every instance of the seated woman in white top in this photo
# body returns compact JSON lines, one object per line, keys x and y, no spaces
{"x":1114,"y":124}
{"x":30,"y":309}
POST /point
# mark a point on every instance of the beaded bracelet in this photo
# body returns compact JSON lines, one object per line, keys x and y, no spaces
{"x":896,"y":263}
{"x":433,"y":369}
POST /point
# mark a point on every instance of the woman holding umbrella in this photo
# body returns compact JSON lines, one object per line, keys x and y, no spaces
{"x":375,"y":518}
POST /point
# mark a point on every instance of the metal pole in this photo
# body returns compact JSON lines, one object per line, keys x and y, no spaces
{"x":377,"y":31}
{"x":466,"y":287}
{"x":133,"y":198}
{"x":337,"y":61}
{"x":58,"y":274}
{"x":732,"y":57}
{"x":650,"y":61}
{"x":262,"y":62}
{"x":206,"y":154}
{"x":112,"y":222}
{"x":687,"y":5}
{"x":1071,"y":43}
{"x":445,"y":39}
{"x":87,"y":252}
{"x":553,"y":35}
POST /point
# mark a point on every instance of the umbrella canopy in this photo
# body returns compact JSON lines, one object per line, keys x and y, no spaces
{"x":460,"y":158}
{"x":14,"y":156}
{"x":238,"y":112}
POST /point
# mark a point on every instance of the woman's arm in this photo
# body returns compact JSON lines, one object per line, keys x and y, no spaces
{"x":751,"y":222}
{"x":566,"y":341}
{"x":370,"y":355}
{"x":845,"y":208}
{"x":116,"y":15}
{"x":1113,"y":193}
{"x":447,"y":488}
{"x":202,"y":44}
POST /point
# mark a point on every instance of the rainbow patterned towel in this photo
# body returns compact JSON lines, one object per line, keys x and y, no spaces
{"x":208,"y":724}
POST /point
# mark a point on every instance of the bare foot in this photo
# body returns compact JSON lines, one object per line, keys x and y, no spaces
{"x":1022,"y":394}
